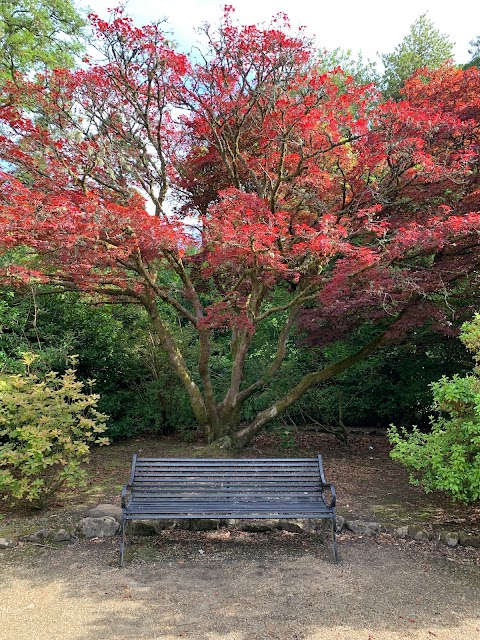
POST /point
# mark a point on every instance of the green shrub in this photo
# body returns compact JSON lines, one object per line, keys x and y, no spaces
{"x":137,"y":387}
{"x":448,"y":457}
{"x":46,"y":427}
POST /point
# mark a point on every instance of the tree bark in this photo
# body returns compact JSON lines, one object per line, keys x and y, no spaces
{"x":180,"y":367}
{"x":242,"y":437}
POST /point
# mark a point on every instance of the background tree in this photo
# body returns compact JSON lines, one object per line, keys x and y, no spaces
{"x":474,"y":53}
{"x":423,"y":46}
{"x":35,"y":34}
{"x":306,"y":195}
{"x":363,"y":71}
{"x":392,"y":385}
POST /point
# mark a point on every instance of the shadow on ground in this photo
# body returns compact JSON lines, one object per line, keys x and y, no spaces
{"x":260,"y":587}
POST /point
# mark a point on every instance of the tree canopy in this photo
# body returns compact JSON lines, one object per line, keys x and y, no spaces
{"x":424,"y":46}
{"x":38,"y":33}
{"x":474,"y":53}
{"x":311,"y":199}
{"x":363,"y":71}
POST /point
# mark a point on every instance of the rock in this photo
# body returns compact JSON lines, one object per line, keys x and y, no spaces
{"x":294,"y":525}
{"x":258,"y":526}
{"x":401,"y":532}
{"x":363,"y":528}
{"x":225,"y":443}
{"x":61,"y":536}
{"x":102,"y":510}
{"x":144,"y":528}
{"x":230,"y":523}
{"x":388,"y":527}
{"x":450,"y":538}
{"x":200,"y":524}
{"x":340,"y":523}
{"x":467,"y":540}
{"x":97,"y":527}
{"x":6,"y":543}
{"x":312,"y":526}
{"x":38,"y":536}
{"x":419,"y":534}
{"x":162,"y":525}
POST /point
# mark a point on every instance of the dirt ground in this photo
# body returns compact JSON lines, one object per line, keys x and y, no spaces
{"x":232,"y":585}
{"x":256,"y":587}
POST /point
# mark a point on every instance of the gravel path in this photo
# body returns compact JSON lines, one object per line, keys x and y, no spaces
{"x":278,"y":588}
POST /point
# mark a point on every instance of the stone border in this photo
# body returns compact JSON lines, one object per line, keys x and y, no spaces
{"x":412,"y":532}
{"x":104,"y":521}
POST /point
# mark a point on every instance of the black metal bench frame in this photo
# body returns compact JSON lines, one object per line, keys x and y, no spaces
{"x":178,"y":488}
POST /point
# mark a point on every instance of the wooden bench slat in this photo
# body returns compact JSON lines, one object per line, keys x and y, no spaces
{"x":257,"y":499}
{"x":229,"y":494}
{"x":159,"y":488}
{"x":239,"y":508}
{"x":231,"y":497}
{"x":228,"y":471}
{"x":229,"y":476}
{"x":253,"y":489}
{"x":230,"y":515}
{"x":180,"y":489}
{"x":236,"y":461}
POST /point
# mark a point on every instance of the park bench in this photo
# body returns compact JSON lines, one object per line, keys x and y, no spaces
{"x":177,"y":488}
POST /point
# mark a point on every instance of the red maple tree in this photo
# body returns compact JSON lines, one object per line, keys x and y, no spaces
{"x":305,"y":192}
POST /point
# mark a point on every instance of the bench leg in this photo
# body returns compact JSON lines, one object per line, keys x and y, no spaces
{"x":129,"y":532}
{"x":122,"y":543}
{"x":324,"y":530}
{"x":334,"y":540}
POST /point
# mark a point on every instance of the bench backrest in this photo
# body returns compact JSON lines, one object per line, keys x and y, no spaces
{"x":224,"y":476}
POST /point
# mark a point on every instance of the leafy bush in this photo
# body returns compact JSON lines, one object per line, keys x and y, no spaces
{"x":448,"y":458}
{"x":46,"y":427}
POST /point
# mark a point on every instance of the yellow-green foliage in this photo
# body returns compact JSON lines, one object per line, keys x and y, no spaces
{"x":46,"y":427}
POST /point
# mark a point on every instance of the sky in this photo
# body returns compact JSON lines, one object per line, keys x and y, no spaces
{"x":369,"y":26}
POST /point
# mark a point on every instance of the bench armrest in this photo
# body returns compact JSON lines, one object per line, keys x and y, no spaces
{"x":331,"y":488}
{"x":129,"y":486}
{"x":125,"y":489}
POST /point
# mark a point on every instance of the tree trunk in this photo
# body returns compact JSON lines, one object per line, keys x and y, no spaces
{"x":180,"y":367}
{"x":248,"y":431}
{"x":221,"y":422}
